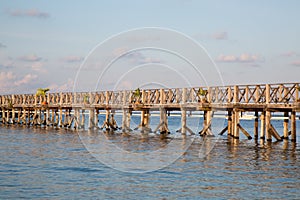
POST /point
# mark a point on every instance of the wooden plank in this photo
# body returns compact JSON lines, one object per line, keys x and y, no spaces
{"x":245,"y":132}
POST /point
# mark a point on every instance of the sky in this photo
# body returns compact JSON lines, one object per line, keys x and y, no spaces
{"x":67,"y":44}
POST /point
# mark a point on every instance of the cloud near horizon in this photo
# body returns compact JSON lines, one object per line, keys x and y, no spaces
{"x":220,"y":36}
{"x":243,"y":58}
{"x":30,"y":58}
{"x":2,"y":45}
{"x":29,"y":13}
{"x":72,"y":59}
{"x":296,"y":63}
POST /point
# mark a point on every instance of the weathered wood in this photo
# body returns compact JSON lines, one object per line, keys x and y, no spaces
{"x":256,"y":125}
{"x":236,"y":122}
{"x":286,"y":126}
{"x":262,"y":125}
{"x":268,"y":122}
{"x":274,"y":133}
{"x":245,"y":132}
{"x":229,"y":131}
{"x":293,"y":126}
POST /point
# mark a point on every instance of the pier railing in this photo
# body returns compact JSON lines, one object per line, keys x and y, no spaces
{"x":284,"y":93}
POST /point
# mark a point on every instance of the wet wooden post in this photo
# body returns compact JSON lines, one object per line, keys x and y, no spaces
{"x":232,"y":123}
{"x":229,"y":130}
{"x":91,"y":118}
{"x":47,"y":117}
{"x":53,"y":113}
{"x":268,"y":125}
{"x":183,"y":112}
{"x":96,"y":118}
{"x":19,"y":115}
{"x":256,"y":125}
{"x":82,"y":118}
{"x":286,"y":126}
{"x":236,"y":123}
{"x":13,"y":115}
{"x":262,"y":125}
{"x":124,"y":119}
{"x":60,"y":117}
{"x":28,"y":117}
{"x":293,"y":126}
{"x":268,"y":114}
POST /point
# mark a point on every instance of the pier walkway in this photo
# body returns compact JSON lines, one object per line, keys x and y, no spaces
{"x":67,"y":109}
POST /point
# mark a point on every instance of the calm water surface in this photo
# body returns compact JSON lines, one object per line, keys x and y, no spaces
{"x":39,"y":163}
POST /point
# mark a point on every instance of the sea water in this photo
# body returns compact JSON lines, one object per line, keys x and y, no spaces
{"x":52,"y":163}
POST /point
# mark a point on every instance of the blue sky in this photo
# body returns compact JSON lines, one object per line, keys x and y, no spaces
{"x":43,"y":43}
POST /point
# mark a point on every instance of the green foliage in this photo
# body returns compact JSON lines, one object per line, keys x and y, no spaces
{"x":42,"y":91}
{"x":202,"y":92}
{"x":137,"y":93}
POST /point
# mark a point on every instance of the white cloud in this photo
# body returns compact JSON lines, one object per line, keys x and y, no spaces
{"x":72,"y":59}
{"x":296,"y":63}
{"x":29,"y":13}
{"x":38,"y":66}
{"x":65,"y":87}
{"x":25,"y":80}
{"x":243,"y":58}
{"x":220,"y":36}
{"x":289,"y":54}
{"x":30,"y":58}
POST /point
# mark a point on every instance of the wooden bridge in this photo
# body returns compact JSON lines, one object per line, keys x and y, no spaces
{"x":68,"y":109}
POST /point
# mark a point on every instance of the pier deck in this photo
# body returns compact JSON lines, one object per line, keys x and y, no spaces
{"x":55,"y":108}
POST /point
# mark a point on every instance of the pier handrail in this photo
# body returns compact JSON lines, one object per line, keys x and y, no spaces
{"x":281,"y":93}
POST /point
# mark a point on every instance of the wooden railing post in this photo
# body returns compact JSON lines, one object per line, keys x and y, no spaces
{"x":209,"y":97}
{"x":162,"y":96}
{"x":229,"y":95}
{"x":236,"y":94}
{"x":267,"y":94}
{"x":107,"y":97}
{"x":297,"y":93}
{"x":143,"y":96}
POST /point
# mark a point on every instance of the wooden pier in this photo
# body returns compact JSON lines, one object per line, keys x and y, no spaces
{"x":68,"y":109}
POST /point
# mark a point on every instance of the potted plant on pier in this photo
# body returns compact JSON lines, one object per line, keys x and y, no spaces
{"x":136,"y":95}
{"x":86,"y":99}
{"x":42,"y":92}
{"x":202,"y":94}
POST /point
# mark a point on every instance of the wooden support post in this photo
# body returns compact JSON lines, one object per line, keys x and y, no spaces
{"x":236,"y":123}
{"x":286,"y":126}
{"x":19,"y":115}
{"x":142,"y":119}
{"x":128,"y":118}
{"x":268,"y":122}
{"x":82,"y":125}
{"x":204,"y":118}
{"x":124,"y":116}
{"x":233,"y":123}
{"x":96,"y":118}
{"x":183,"y":121}
{"x":47,"y":117}
{"x":245,"y":132}
{"x":256,"y":125}
{"x":53,"y":117}
{"x":274,"y":133}
{"x":13,"y":115}
{"x":293,"y":126}
{"x":91,"y":118}
{"x":262,"y":125}
{"x":28,"y":117}
{"x":229,"y":131}
{"x":224,"y":130}
{"x":183,"y":112}
{"x":60,"y":116}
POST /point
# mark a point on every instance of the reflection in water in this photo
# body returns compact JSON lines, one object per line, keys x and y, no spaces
{"x":48,"y":163}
